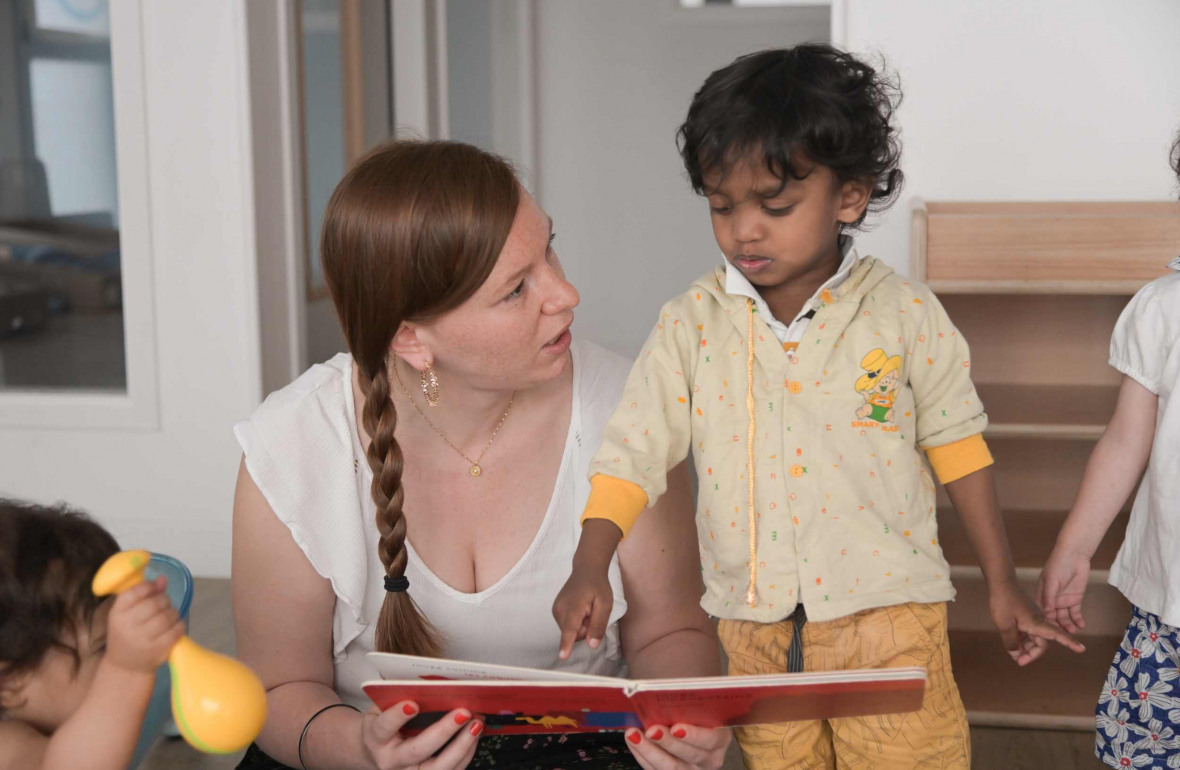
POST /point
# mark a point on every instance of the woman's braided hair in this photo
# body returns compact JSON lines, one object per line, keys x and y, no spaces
{"x":411,"y":232}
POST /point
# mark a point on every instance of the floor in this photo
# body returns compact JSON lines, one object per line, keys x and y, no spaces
{"x":212,"y":626}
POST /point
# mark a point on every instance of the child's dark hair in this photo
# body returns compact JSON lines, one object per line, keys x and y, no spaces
{"x":811,"y":102}
{"x":48,"y":557}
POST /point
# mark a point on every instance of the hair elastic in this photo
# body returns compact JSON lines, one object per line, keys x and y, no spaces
{"x":396,"y":584}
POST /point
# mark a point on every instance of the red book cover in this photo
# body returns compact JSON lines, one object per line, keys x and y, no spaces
{"x":522,"y":700}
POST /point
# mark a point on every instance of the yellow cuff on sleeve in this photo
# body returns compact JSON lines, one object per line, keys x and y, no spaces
{"x":961,"y":458}
{"x":615,"y":500}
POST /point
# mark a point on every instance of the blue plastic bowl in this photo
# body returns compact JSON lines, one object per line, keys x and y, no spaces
{"x":159,"y":711}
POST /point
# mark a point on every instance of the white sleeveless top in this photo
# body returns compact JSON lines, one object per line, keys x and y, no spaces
{"x":303,"y":452}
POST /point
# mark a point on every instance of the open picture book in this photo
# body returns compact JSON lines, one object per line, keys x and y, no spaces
{"x":526,"y":700}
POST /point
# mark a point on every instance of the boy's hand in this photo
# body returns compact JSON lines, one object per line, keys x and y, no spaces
{"x":1062,"y":586}
{"x":1023,"y":628}
{"x":142,"y":628}
{"x":582,"y":607}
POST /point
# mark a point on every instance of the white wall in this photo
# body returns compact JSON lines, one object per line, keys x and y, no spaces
{"x":1018,"y":100}
{"x":469,"y":71}
{"x":615,"y":78}
{"x":171,"y":489}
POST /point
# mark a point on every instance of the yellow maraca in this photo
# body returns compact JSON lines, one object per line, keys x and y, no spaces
{"x":218,"y":703}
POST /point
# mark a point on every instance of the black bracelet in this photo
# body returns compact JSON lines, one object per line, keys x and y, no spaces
{"x":303,"y":734}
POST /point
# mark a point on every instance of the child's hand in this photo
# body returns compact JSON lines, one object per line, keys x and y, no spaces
{"x":1023,"y":628}
{"x":1062,"y":586}
{"x":582,"y":608}
{"x":142,"y":628}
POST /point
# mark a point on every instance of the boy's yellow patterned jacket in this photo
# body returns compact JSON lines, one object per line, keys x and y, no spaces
{"x":839,"y":510}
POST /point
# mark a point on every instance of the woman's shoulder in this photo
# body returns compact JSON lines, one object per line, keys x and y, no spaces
{"x":325,"y":385}
{"x":321,"y":380}
{"x":305,"y":422}
{"x":600,"y":375}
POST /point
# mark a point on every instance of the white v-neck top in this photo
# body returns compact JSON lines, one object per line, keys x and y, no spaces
{"x":303,"y":451}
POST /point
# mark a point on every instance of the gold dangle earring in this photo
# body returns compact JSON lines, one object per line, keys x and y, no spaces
{"x":430,"y":385}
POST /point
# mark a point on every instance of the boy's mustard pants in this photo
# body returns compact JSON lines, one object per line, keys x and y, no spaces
{"x":888,"y":637}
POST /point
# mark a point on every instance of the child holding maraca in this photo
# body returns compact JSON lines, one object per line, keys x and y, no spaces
{"x":77,"y":670}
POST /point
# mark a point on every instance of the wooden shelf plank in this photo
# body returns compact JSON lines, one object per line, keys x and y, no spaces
{"x":1058,"y":692}
{"x":1058,"y":209}
{"x":1049,"y":243}
{"x":1047,"y":411}
{"x":1027,"y":575}
{"x":1031,"y":535}
{"x":1114,"y":288}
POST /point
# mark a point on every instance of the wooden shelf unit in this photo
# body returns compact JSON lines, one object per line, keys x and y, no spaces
{"x":1047,"y":411}
{"x":1031,"y":535}
{"x":1036,"y":289}
{"x":1058,"y":692}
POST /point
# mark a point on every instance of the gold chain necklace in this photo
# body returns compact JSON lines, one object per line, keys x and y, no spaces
{"x":476,"y":470}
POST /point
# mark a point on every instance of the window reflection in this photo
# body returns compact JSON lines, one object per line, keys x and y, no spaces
{"x":61,"y":319}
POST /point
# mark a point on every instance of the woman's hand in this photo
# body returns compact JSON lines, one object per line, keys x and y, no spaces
{"x":681,"y":747}
{"x":389,"y":749}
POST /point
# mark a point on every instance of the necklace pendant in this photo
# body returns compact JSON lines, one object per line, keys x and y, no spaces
{"x":476,"y":471}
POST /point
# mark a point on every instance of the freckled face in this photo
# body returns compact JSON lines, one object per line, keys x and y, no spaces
{"x":514,"y":331}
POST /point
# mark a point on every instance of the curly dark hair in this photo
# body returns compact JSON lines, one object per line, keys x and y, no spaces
{"x":48,"y":557}
{"x":811,"y":103}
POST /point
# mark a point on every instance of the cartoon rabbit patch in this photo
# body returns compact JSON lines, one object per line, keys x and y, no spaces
{"x":878,"y":385}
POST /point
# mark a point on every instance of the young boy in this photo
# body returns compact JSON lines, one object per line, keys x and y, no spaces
{"x":816,"y":390}
{"x":76,"y":672}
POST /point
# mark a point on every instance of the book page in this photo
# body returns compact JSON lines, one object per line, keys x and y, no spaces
{"x":409,"y":667}
{"x":782,"y":698}
{"x":909,"y":674}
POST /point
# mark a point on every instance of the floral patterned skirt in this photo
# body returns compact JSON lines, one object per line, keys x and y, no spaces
{"x":1138,"y":714}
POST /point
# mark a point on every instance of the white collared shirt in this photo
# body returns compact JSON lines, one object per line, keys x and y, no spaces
{"x":737,"y":284}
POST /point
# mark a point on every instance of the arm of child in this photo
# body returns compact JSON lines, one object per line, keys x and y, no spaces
{"x":1137,"y":346}
{"x":1022,"y":626}
{"x":21,"y":746}
{"x":141,"y":630}
{"x":950,"y":425}
{"x":647,"y":435}
{"x":1111,"y":474}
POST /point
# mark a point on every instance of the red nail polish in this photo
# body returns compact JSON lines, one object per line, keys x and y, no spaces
{"x":409,"y":709}
{"x":476,"y":729}
{"x":635,"y":737}
{"x":657,"y":735}
{"x":462,"y":718}
{"x":679,"y":732}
